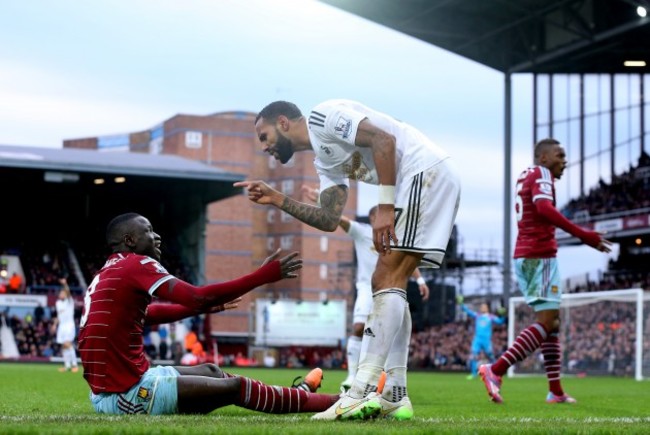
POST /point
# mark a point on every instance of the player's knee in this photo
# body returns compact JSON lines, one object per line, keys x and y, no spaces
{"x":213,"y":370}
{"x":555,"y":326}
{"x":552,"y":325}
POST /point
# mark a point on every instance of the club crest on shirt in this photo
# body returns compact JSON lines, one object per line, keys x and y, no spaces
{"x":159,"y":268}
{"x":144,"y":393}
{"x":355,"y":168}
{"x":554,"y":289}
{"x":343,"y":127}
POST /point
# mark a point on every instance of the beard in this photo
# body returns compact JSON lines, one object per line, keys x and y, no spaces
{"x":283,"y":148}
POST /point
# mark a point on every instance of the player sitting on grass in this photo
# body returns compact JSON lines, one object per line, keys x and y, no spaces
{"x":117,"y":306}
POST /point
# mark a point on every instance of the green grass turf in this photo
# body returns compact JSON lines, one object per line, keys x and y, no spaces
{"x":36,"y":398}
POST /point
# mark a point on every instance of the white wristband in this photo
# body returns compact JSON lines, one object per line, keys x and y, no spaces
{"x":386,"y":194}
{"x":420,"y":281}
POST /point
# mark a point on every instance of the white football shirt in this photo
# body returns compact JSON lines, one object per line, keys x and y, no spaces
{"x":365,"y":249}
{"x":333,"y":128}
{"x":65,"y":310}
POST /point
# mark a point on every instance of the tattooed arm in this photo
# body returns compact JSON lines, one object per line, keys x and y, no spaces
{"x":383,"y":148}
{"x":327,"y":216}
{"x":324,"y":217}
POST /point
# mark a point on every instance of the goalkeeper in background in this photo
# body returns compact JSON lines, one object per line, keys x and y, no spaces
{"x":482,"y":341}
{"x":537,"y":270}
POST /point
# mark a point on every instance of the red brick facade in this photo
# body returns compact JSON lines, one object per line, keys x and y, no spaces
{"x":240,"y":234}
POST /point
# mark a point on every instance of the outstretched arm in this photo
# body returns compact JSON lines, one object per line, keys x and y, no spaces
{"x":591,"y":238}
{"x":469,"y":312}
{"x":324,"y":217}
{"x":313,"y":195}
{"x":167,"y":313}
{"x":204,"y":297}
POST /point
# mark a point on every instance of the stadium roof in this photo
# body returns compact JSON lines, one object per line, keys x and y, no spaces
{"x":522,"y":36}
{"x":56,"y":192}
{"x":515,"y":36}
{"x":111,"y":162}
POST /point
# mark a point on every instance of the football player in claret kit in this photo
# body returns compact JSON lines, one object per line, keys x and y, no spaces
{"x":536,"y":269}
{"x":117,"y":306}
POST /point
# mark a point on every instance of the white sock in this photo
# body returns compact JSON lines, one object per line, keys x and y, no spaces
{"x":397,"y":361}
{"x":383,"y":325}
{"x":353,"y":350}
{"x":66,"y":358}
{"x":73,"y":357}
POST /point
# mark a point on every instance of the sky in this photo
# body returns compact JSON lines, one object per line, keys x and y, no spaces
{"x":73,"y":68}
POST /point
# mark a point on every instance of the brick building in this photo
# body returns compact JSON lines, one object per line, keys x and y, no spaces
{"x":240,"y":234}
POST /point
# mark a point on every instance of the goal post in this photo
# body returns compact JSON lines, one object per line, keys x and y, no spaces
{"x":595,"y":333}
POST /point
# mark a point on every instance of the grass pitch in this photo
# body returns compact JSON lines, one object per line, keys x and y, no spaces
{"x":36,"y":398}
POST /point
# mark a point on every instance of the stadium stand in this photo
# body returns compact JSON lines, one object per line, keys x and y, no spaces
{"x":627,"y":194}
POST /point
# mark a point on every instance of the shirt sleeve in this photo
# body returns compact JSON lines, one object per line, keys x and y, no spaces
{"x":469,"y":312}
{"x":339,"y":123}
{"x":356,"y":230}
{"x":542,"y":185}
{"x":329,"y":178}
{"x":334,"y":124}
{"x":151,"y":274}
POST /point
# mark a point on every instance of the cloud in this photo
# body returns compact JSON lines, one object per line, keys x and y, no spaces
{"x":42,"y":108}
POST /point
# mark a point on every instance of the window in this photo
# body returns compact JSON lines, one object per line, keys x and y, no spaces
{"x":323,"y":271}
{"x":286,"y":242}
{"x":287,"y":187}
{"x":285,"y":217}
{"x":193,"y":139}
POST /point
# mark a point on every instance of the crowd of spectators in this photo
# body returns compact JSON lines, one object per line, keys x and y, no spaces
{"x":628,"y":191}
{"x":446,"y":347}
{"x":326,"y":358}
{"x":615,"y":280}
{"x":33,"y":333}
{"x":596,"y":338}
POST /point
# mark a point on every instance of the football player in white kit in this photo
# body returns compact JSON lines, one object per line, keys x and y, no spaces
{"x":366,"y":255}
{"x":66,"y":330}
{"x":419,"y":194}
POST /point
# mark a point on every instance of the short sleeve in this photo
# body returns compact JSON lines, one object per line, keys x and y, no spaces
{"x":542,"y":185}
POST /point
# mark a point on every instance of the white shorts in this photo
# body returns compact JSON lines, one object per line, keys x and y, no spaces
{"x":362,"y":303}
{"x":425,"y":211}
{"x":65,"y":333}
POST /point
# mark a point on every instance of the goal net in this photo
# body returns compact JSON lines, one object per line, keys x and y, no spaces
{"x":601,"y":333}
